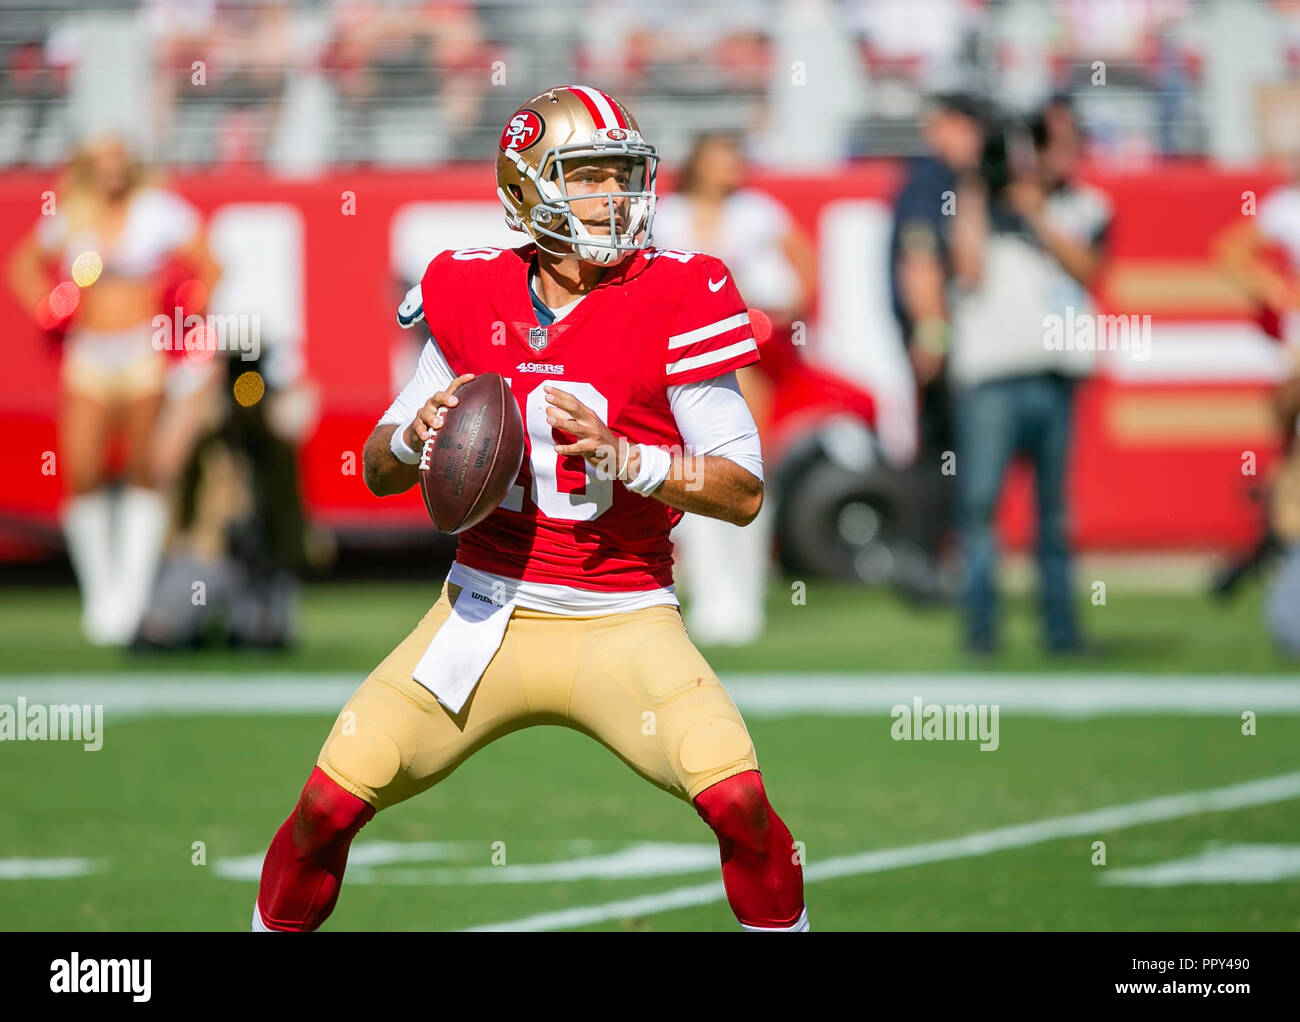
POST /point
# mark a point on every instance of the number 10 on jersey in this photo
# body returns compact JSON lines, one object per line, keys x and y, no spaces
{"x":544,"y":459}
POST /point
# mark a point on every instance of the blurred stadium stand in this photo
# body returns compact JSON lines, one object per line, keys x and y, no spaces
{"x":301,"y":84}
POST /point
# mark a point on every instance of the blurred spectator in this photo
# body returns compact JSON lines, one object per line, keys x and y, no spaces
{"x":1283,"y":608}
{"x":460,"y":55}
{"x":220,"y":73}
{"x":1261,"y":254}
{"x":241,"y":529}
{"x":920,"y":268}
{"x":37,"y":58}
{"x":1116,"y":29}
{"x":678,"y":47}
{"x":182,"y":34}
{"x":1150,"y":66}
{"x":252,"y":64}
{"x":1287,"y":15}
{"x":1170,"y":70}
{"x":1026,"y":242}
{"x":918,"y":42}
{"x":616,"y":45}
{"x":408,"y":58}
{"x":725,"y":566}
{"x":116,"y":243}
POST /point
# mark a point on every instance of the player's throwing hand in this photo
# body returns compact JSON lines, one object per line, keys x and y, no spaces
{"x":429,"y":419}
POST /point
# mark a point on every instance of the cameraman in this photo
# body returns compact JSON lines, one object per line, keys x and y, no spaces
{"x":1026,"y":242}
{"x":920,"y":270}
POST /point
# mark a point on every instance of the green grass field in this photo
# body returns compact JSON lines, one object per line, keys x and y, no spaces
{"x":1202,"y":830}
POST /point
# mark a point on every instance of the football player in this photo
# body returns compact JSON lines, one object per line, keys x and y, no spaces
{"x":560,"y":607}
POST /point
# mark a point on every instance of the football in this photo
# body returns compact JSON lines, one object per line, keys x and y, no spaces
{"x":467,"y":469}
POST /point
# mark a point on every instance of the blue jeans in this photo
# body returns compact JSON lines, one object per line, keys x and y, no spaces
{"x":995,"y":421}
{"x":1283,"y":606}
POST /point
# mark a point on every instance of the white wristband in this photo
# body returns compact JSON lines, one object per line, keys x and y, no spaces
{"x":400,"y":451}
{"x":654,"y":468}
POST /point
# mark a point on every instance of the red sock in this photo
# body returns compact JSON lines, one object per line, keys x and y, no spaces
{"x":760,"y":870}
{"x":303,"y":869}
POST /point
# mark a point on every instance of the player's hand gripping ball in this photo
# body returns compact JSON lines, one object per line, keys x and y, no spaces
{"x":469,"y":464}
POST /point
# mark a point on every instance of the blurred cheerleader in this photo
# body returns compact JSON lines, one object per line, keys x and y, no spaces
{"x":114,"y":241}
{"x":724,"y":566}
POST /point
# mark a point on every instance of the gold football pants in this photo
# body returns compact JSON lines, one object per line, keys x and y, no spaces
{"x":633,"y":681}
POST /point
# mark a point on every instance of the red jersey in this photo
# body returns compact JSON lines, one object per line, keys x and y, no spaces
{"x":658,"y":319}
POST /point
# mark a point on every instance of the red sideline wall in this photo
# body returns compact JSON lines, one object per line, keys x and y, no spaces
{"x":1158,"y":462}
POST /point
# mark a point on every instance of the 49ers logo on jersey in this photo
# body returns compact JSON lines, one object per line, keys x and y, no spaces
{"x":523,"y":130}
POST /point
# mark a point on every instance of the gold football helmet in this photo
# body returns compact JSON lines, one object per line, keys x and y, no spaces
{"x":572,"y":122}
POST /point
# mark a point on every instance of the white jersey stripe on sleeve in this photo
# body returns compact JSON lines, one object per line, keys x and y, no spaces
{"x":705,"y":332}
{"x":711,"y":357}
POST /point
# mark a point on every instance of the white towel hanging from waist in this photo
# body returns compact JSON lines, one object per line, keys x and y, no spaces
{"x":464,"y":646}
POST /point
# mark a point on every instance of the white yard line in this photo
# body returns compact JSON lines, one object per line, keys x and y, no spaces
{"x":639,"y":860}
{"x":1094,"y":824}
{"x":1055,"y":695}
{"x":1216,"y":864}
{"x":48,"y":869}
{"x":135,"y":695}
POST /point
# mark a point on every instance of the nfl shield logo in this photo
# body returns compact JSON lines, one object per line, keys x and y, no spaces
{"x":537,"y":339}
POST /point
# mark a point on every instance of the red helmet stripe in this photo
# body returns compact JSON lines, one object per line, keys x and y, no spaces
{"x":590,"y":104}
{"x":618,"y":111}
{"x":603,"y":108}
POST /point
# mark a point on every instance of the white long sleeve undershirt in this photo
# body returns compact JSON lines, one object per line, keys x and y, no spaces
{"x":711,"y":415}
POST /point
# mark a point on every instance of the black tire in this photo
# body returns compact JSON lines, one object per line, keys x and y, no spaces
{"x":837,"y":523}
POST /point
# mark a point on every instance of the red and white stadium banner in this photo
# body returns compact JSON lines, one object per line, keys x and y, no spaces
{"x":1159,"y":452}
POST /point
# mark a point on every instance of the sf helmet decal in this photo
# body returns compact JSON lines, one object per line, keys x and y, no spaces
{"x":523,"y":130}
